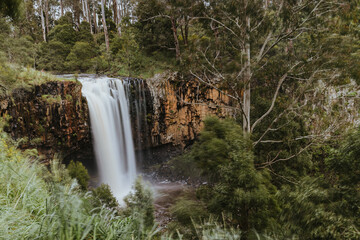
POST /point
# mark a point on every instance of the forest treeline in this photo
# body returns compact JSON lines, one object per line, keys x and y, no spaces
{"x":286,"y":167}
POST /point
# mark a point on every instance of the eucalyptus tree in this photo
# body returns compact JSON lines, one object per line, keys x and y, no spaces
{"x":275,"y":61}
{"x":254,"y":34}
{"x":104,"y":25}
{"x":174,"y":19}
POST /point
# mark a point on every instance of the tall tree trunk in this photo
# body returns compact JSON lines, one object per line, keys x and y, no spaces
{"x":186,"y":30}
{"x":76,"y":11}
{"x":117,"y":18}
{"x":61,"y":8}
{"x":95,"y":17}
{"x":176,"y":39}
{"x":267,"y":3}
{"x":123,"y":8}
{"x":114,"y":8}
{"x":247,"y":77}
{"x":89,"y":15}
{"x":84,"y":13}
{"x":47,"y":15}
{"x":104,"y":25}
{"x":42,"y":20}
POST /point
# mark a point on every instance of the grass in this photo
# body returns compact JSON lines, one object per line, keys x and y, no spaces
{"x":51,"y":99}
{"x":13,"y":76}
{"x":38,"y":203}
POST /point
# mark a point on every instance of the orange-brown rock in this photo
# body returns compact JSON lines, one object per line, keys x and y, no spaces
{"x":52,"y":117}
{"x":180,"y":106}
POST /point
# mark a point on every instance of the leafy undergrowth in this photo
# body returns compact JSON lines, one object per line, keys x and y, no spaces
{"x":37,"y":203}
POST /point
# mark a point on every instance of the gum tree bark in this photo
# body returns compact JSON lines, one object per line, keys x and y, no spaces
{"x":104,"y":25}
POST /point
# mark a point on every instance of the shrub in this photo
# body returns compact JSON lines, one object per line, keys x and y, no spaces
{"x":38,"y":204}
{"x":52,"y":56}
{"x":187,"y":209}
{"x":63,"y":33}
{"x":79,"y":172}
{"x":235,"y":187}
{"x":104,"y":196}
{"x":80,"y":57}
{"x":140,"y":202}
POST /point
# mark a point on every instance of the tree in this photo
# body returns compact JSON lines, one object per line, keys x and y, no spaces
{"x":43,"y":24}
{"x":154,"y":32}
{"x":11,"y":8}
{"x":270,"y":59}
{"x":52,"y":56}
{"x":254,"y":36}
{"x":126,"y":51}
{"x":311,"y":210}
{"x":79,"y":58}
{"x":235,"y":187}
{"x":104,"y":25}
{"x":64,"y":33}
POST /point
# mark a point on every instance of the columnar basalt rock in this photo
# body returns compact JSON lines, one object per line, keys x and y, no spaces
{"x":52,"y":117}
{"x":180,"y":107}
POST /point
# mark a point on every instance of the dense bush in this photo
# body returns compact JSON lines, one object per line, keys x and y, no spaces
{"x":78,"y":171}
{"x":234,"y":186}
{"x":52,"y":56}
{"x":64,"y":33}
{"x":36,"y":203}
{"x":141,"y":202}
{"x":79,"y":58}
{"x":104,"y":196}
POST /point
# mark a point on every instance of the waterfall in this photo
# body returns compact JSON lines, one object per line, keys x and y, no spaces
{"x":135,"y":91}
{"x":111,"y":129}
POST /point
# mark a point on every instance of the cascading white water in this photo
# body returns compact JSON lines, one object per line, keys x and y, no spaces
{"x":111,"y":129}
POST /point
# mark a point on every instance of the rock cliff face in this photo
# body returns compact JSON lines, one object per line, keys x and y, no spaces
{"x":52,"y":117}
{"x":179,"y":107}
{"x":166,"y":114}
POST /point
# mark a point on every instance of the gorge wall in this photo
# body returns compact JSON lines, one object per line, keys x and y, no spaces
{"x":179,"y":107}
{"x":53,"y":117}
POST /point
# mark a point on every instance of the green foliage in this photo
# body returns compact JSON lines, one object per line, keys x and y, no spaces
{"x":184,"y":212}
{"x":311,"y":211}
{"x":80,"y":57}
{"x":127,"y":52}
{"x":17,"y":49}
{"x":141,"y":202}
{"x":66,"y":19}
{"x":104,"y":196}
{"x":153,"y":32}
{"x":8,"y":76}
{"x":52,"y":56}
{"x":79,"y":172}
{"x":347,"y":162}
{"x":84,"y":34}
{"x":36,"y":203}
{"x":187,"y":209}
{"x":235,"y":186}
{"x":11,"y":8}
{"x":63,"y":33}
